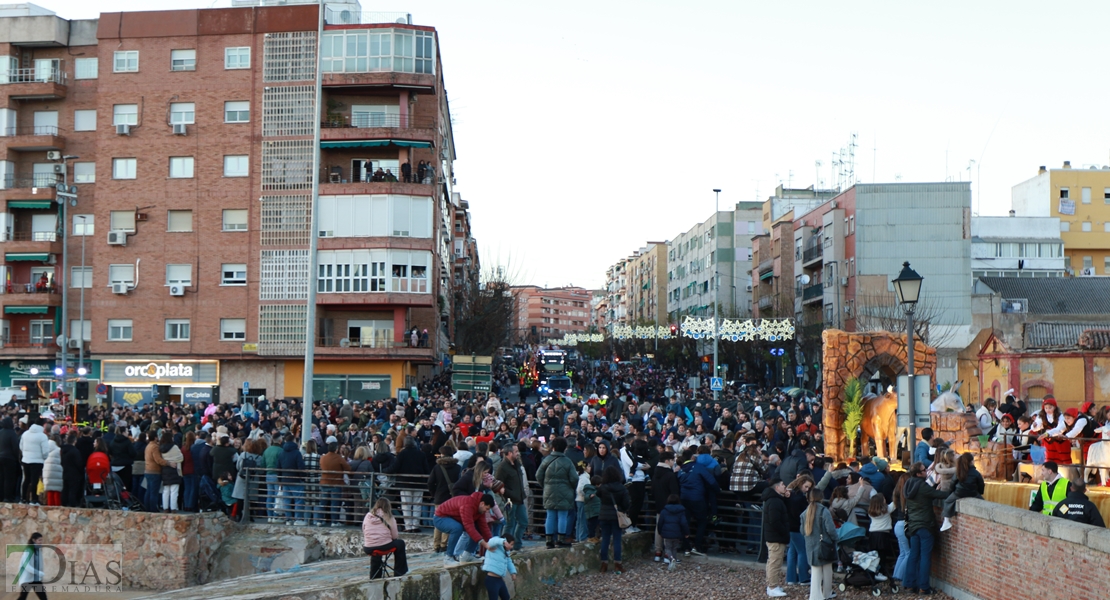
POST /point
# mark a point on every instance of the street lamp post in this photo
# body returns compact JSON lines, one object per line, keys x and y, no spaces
{"x":81,"y":315}
{"x":908,"y":288}
{"x":716,"y":285}
{"x":62,"y":200}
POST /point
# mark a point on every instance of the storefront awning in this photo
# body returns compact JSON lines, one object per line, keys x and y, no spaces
{"x":767,"y":275}
{"x":375,"y":144}
{"x":26,"y":310}
{"x":37,"y":204}
{"x":26,"y":256}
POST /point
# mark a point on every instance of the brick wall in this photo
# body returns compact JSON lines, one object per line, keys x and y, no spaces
{"x":998,"y":551}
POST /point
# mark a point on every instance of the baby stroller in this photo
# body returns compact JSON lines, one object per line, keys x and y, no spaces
{"x":861,"y":565}
{"x":210,"y":499}
{"x":117,"y":496}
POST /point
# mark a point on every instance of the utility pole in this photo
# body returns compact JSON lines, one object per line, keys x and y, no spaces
{"x":310,"y":311}
{"x":716,"y":286}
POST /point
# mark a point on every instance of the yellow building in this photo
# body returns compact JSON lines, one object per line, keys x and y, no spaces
{"x":1081,"y":199}
{"x":647,"y":285}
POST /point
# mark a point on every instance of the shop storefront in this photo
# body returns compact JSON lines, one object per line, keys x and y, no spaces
{"x":132,"y":381}
{"x":353,"y":380}
{"x":22,"y":372}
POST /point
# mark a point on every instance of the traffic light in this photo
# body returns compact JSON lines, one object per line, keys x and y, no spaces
{"x":674,"y":330}
{"x":81,"y":390}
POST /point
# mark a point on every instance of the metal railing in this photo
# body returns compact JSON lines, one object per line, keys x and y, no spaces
{"x":765,"y":301}
{"x":326,"y":498}
{"x":26,"y":341}
{"x":812,"y":254}
{"x":337,"y":174}
{"x":336,"y":342}
{"x":40,"y":180}
{"x":364,"y":121}
{"x":365,"y":17}
{"x":33,"y":287}
{"x":810,"y":292}
{"x":32,"y":75}
{"x":31,"y":236}
{"x":32,"y":130}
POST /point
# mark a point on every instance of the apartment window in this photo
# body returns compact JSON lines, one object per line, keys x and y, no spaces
{"x":183,"y":60}
{"x":125,"y":114}
{"x":182,"y":113}
{"x":1087,"y":262}
{"x":84,"y":120}
{"x":80,"y":277}
{"x":121,"y":220}
{"x":179,"y":275}
{"x":126,"y":61}
{"x":851,"y":225}
{"x":85,"y":68}
{"x":84,"y":172}
{"x":236,"y":165}
{"x":1086,"y":225}
{"x":1106,"y":226}
{"x":121,"y":274}
{"x":1085,"y":195}
{"x":1067,"y":262}
{"x":233,"y":274}
{"x":119,"y":330}
{"x":85,"y":327}
{"x":123,"y":168}
{"x":179,"y":220}
{"x":235,"y":219}
{"x":237,"y":111}
{"x":233,"y":329}
{"x":181,"y":167}
{"x":177,"y":330}
{"x":1064,"y":193}
{"x":1065,"y":226}
{"x":1106,"y":195}
{"x":83,"y":225}
{"x":237,"y":58}
{"x":1106,"y":265}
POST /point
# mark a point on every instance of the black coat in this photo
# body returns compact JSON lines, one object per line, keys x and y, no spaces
{"x":410,"y":461}
{"x":9,"y":440}
{"x":796,"y":504}
{"x":121,"y":451}
{"x":73,"y":468}
{"x":85,"y":445}
{"x":664,"y":482}
{"x":439,"y":483}
{"x":776,"y":529}
{"x":1076,"y":507}
{"x":610,"y":494}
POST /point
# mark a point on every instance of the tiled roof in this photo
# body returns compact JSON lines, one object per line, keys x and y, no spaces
{"x":1056,"y":295}
{"x":1095,"y":339}
{"x":1065,"y":335}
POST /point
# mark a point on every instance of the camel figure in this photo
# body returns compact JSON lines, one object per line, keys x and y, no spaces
{"x":949,"y":401}
{"x":880,"y":422}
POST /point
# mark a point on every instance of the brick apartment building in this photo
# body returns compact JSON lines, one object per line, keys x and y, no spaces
{"x":546,"y":314}
{"x":189,"y":138}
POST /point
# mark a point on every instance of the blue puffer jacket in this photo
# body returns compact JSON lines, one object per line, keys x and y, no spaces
{"x":695,"y":482}
{"x":871,"y":473}
{"x":672,"y":522}
{"x":292,"y":460}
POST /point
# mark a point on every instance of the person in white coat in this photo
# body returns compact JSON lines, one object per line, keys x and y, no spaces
{"x":34,"y":448}
{"x":52,"y":474}
{"x":31,"y":569}
{"x":634,"y":464}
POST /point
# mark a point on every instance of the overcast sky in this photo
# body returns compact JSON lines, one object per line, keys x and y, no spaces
{"x":585,"y":129}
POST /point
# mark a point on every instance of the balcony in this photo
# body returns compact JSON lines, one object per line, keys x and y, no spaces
{"x":39,"y":186}
{"x":813,"y":292}
{"x":377,"y":130}
{"x":21,"y":297}
{"x":765,"y":301}
{"x":31,"y":242}
{"x":27,"y":345}
{"x":34,"y":84}
{"x":766,"y":266}
{"x":339,"y":180}
{"x":372,"y":348}
{"x":812,"y":254}
{"x":364,"y":17}
{"x":34,"y":138}
{"x":424,"y":83}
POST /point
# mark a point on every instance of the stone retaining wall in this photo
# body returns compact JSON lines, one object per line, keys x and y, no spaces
{"x":1001,"y":552}
{"x":160,"y":552}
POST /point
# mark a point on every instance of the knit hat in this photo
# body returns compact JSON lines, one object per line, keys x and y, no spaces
{"x":880,"y":463}
{"x":1086,"y":406}
{"x":1050,"y":400}
{"x":1071,"y":412}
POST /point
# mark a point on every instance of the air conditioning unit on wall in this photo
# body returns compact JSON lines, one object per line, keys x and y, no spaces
{"x":123,"y":129}
{"x":120,"y":287}
{"x":177,"y":290}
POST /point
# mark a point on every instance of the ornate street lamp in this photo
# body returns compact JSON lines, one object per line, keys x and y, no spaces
{"x":908,"y":288}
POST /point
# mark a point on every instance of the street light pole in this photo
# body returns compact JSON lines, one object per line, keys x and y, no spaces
{"x":62,"y":200}
{"x":908,"y":288}
{"x":81,"y":313}
{"x":716,"y":286}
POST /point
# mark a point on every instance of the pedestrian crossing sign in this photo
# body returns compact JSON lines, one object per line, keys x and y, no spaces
{"x":716,"y":384}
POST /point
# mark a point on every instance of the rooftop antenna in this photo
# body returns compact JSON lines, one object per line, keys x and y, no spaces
{"x":852,"y":159}
{"x":874,"y":156}
{"x":817,"y":183}
{"x":790,"y":178}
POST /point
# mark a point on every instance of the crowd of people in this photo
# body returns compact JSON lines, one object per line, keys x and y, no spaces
{"x":637,"y":450}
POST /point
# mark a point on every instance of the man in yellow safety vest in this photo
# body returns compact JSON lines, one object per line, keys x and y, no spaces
{"x":1053,"y":490}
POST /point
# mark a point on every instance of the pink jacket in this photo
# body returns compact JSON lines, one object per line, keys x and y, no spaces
{"x":375,"y":532}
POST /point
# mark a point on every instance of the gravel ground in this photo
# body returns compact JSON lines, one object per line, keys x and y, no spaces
{"x":713,"y":581}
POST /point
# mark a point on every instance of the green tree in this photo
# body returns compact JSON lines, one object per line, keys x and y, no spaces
{"x":853,"y":411}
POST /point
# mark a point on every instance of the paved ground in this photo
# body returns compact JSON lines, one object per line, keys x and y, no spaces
{"x":712,"y":579}
{"x":79,"y":596}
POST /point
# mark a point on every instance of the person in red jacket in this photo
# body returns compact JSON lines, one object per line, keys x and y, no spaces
{"x":98,"y":464}
{"x":463,"y":514}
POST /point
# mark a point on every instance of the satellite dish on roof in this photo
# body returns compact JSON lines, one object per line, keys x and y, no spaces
{"x":804,"y":279}
{"x":345,"y":343}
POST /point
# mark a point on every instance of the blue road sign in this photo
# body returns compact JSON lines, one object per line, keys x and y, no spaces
{"x":716,"y":384}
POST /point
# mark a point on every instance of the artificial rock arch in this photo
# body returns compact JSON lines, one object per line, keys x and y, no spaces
{"x":847,"y":355}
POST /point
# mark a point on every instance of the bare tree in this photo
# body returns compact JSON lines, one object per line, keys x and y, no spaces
{"x":485,"y":312}
{"x":882,"y":313}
